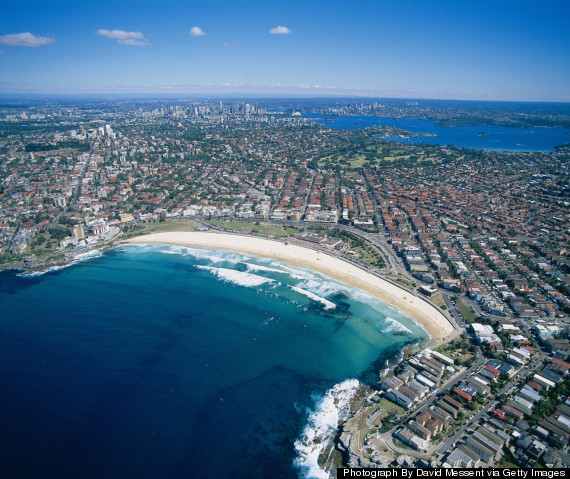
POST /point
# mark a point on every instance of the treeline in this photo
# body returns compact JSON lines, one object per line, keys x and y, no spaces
{"x":532,"y":122}
{"x":60,"y":145}
{"x":9,"y":128}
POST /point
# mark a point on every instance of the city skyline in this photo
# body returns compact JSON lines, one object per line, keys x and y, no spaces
{"x":475,"y":50}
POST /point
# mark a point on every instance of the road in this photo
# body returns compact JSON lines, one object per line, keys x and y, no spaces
{"x":449,"y":442}
{"x":444,"y":388}
{"x":77,"y":191}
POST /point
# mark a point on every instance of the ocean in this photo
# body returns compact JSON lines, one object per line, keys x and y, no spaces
{"x":168,"y":361}
{"x":488,"y":137}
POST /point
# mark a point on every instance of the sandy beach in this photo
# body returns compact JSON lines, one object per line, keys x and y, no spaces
{"x":437,"y":325}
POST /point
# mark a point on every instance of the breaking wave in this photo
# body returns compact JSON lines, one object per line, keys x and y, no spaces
{"x":394,"y":326}
{"x":328,"y":304}
{"x":258,"y":267}
{"x":212,"y":255}
{"x":237,"y":277}
{"x":322,"y":424}
{"x":33,"y":274}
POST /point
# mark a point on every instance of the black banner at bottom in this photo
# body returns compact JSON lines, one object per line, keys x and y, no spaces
{"x":413,"y":473}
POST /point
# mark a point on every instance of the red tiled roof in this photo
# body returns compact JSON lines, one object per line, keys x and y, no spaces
{"x":463,"y":394}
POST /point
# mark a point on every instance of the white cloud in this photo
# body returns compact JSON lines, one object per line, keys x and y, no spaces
{"x":196,"y":32}
{"x":280,"y":30}
{"x":136,"y":39}
{"x":25,"y":40}
{"x":231,"y":45}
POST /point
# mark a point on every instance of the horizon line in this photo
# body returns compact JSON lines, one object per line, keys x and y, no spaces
{"x":184,"y":95}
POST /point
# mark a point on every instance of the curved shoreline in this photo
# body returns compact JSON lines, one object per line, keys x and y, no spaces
{"x":437,"y":325}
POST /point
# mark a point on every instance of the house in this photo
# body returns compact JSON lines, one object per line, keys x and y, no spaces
{"x":559,"y":347}
{"x":529,"y":393}
{"x":418,"y":388}
{"x":544,"y":382}
{"x":426,"y":382}
{"x":442,"y":415}
{"x":398,"y":398}
{"x":500,"y":414}
{"x":463,"y":394}
{"x":455,"y":405}
{"x":537,"y":387}
{"x":419,"y":430}
{"x":391,"y":382}
{"x":520,"y":406}
{"x":488,"y":375}
{"x":479,"y":384}
{"x":487,"y":453}
{"x":507,"y":369}
{"x":492,"y":436}
{"x":523,"y":354}
{"x":408,"y":393}
{"x":408,"y":438}
{"x":550,"y":374}
{"x":511,"y":411}
{"x":458,"y":458}
{"x":433,"y":424}
{"x":557,"y":434}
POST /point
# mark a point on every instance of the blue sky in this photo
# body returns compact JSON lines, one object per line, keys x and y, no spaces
{"x":461,"y":49}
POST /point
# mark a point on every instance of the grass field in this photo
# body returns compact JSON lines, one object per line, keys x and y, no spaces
{"x":390,"y":406}
{"x":372,"y":155}
{"x":456,"y":349}
{"x":42,"y":244}
{"x":190,"y":225}
{"x":466,"y":311}
{"x":248,"y":227}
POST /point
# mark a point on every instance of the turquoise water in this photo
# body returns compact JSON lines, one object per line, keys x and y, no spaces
{"x":495,"y":138}
{"x":166,"y":361}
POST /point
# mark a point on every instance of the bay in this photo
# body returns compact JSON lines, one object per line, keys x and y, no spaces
{"x":167,"y":361}
{"x":488,"y":137}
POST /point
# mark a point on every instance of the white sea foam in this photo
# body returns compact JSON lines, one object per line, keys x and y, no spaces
{"x":321,"y":427}
{"x":322,"y":285}
{"x":294,"y":272}
{"x":32,"y":274}
{"x":328,"y":304}
{"x":212,"y":255}
{"x":394,"y":326}
{"x":325,"y":287}
{"x":237,"y":277}
{"x":258,"y":267}
{"x":180,"y":253}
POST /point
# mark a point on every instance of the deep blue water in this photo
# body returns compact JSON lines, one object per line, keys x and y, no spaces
{"x":496,"y":138}
{"x":163,"y":361}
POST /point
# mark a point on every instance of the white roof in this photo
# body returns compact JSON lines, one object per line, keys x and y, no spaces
{"x":482,"y":328}
{"x":522,"y":352}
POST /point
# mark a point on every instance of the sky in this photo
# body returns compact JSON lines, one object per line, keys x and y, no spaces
{"x":460,"y":49}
